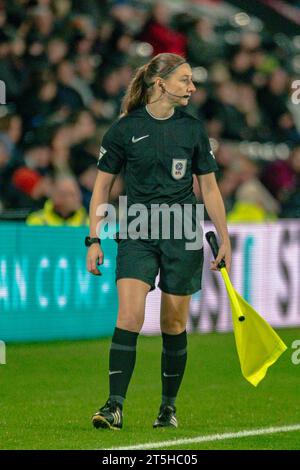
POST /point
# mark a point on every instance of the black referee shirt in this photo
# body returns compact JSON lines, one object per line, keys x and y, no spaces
{"x":159,"y":156}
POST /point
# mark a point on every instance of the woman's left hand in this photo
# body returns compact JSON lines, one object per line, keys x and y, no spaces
{"x":223,"y":253}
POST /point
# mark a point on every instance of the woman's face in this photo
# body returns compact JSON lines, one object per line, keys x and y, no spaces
{"x":161,"y":13}
{"x":179,"y":83}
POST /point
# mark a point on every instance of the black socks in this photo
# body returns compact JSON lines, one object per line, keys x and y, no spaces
{"x":173,"y":361}
{"x":121,"y":363}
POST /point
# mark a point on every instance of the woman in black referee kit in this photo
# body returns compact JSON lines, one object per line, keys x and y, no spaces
{"x":160,"y":147}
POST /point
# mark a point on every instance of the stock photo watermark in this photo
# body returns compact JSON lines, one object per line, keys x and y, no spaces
{"x":159,"y":221}
{"x":2,"y":352}
{"x":296,"y":95}
{"x":296,"y":354}
{"x":2,"y":92}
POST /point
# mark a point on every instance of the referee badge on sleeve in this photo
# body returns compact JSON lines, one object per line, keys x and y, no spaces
{"x":178,"y":168}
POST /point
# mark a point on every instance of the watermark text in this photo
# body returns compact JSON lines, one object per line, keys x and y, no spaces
{"x":296,"y":354}
{"x":296,"y":95}
{"x":157,"y":222}
{"x":2,"y":92}
{"x":2,"y":352}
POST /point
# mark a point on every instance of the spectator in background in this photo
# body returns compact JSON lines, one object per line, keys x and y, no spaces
{"x":241,"y":68}
{"x":253,"y":202}
{"x":83,"y":137}
{"x":225,"y":157}
{"x":274,"y":96}
{"x":10,"y":133}
{"x":291,"y":206}
{"x":160,"y":35}
{"x":264,"y":65}
{"x":115,"y":51}
{"x":8,"y":72}
{"x":254,"y":120}
{"x":225,"y":109}
{"x":250,"y":41}
{"x":68,"y":77}
{"x":109,"y":91}
{"x":228,"y":185}
{"x":64,"y":206}
{"x":40,"y":103}
{"x":228,"y":179}
{"x":4,"y":155}
{"x":26,"y":181}
{"x":204,"y":46}
{"x":37,"y":156}
{"x":283,"y":179}
{"x":60,"y":144}
{"x":85,"y":68}
{"x":43,"y":24}
{"x":287,"y":130}
{"x":32,"y":184}
{"x":282,"y":176}
{"x":85,"y":171}
{"x":57,"y":50}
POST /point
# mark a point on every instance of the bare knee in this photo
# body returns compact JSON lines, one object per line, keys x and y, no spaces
{"x":131,"y":314}
{"x":130,"y":321}
{"x":172,"y":326}
{"x":174,"y":313}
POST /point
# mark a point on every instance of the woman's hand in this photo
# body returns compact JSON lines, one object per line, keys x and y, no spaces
{"x":94,"y":257}
{"x":223,"y":253}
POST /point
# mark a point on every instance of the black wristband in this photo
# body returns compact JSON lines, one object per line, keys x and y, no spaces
{"x":89,"y":241}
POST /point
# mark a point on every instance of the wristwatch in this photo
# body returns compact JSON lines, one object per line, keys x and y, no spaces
{"x":89,"y":241}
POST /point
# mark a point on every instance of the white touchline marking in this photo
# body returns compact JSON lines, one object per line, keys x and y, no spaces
{"x":210,"y":438}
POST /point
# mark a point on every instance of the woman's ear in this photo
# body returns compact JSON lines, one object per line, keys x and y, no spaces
{"x":162,"y":86}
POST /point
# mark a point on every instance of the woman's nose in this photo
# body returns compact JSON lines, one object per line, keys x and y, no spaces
{"x":192,"y":88}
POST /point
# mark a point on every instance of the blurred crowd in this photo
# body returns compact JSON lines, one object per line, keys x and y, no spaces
{"x":66,"y":65}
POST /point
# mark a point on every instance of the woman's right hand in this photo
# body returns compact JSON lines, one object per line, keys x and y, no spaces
{"x":94,"y":257}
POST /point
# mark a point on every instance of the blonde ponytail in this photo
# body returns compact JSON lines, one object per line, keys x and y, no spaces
{"x":136,"y":94}
{"x":140,"y":89}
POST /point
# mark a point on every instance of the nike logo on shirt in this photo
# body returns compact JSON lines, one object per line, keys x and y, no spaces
{"x":170,"y":375}
{"x":134,"y":140}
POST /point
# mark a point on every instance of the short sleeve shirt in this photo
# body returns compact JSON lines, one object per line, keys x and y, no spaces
{"x":158,"y":156}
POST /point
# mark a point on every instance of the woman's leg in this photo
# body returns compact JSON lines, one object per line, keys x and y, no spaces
{"x":132,"y":298}
{"x":174,"y":311}
{"x":174,"y":315}
{"x":132,"y":295}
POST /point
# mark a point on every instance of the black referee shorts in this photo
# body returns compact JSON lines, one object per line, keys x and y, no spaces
{"x":180,"y":270}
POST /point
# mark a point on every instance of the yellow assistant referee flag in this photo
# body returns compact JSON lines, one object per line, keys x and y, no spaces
{"x":258,"y":345}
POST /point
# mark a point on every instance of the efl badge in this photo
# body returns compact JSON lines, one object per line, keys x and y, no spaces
{"x":178,"y":168}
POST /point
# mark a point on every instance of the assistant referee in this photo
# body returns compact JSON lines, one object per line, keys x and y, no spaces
{"x":159,"y":147}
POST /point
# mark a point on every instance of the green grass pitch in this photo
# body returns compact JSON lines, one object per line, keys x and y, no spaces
{"x":48,"y":392}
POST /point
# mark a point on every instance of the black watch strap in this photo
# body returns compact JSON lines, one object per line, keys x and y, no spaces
{"x":89,"y":241}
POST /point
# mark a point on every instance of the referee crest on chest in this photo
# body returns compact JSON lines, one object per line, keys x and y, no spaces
{"x":178,"y":168}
